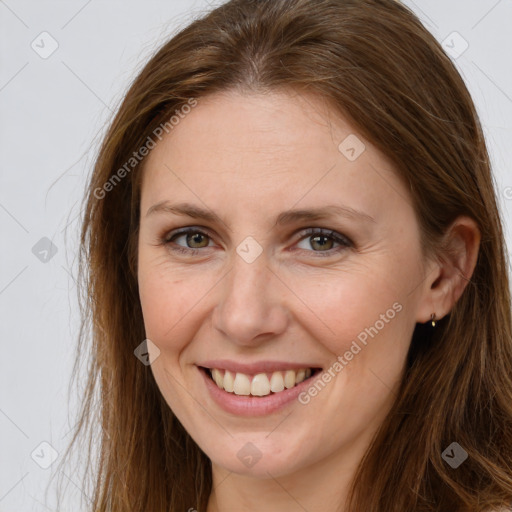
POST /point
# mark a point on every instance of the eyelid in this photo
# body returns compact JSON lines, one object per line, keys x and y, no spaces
{"x":186,"y":230}
{"x":343,"y":241}
{"x":341,"y":238}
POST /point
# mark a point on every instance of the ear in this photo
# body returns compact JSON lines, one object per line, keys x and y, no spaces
{"x":448,"y":275}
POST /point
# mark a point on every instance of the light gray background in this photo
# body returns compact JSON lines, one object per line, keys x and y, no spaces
{"x":52,"y":111}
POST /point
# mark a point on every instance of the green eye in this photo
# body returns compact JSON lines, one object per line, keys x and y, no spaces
{"x":192,"y":236}
{"x":320,"y":240}
{"x":324,"y":239}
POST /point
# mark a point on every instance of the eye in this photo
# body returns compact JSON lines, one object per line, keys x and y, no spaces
{"x":324,"y":239}
{"x":193,"y":236}
{"x":317,"y":238}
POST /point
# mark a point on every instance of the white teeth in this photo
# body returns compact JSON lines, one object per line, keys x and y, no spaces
{"x":228,"y":382}
{"x":289,"y":379}
{"x":217,"y":377}
{"x":276,"y":382}
{"x":242,"y":385}
{"x":260,"y":384}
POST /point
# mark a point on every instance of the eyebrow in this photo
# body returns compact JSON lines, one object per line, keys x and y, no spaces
{"x":284,"y":218}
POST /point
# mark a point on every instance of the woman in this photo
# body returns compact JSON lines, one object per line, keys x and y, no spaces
{"x":296,"y":274}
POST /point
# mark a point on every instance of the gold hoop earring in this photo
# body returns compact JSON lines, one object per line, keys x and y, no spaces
{"x":433,"y":320}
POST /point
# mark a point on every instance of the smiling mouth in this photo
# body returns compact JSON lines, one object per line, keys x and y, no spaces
{"x":261,"y":384}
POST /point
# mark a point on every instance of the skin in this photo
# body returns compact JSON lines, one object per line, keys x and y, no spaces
{"x":248,"y":158}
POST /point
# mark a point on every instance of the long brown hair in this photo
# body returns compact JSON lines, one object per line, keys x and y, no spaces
{"x":384,"y":72}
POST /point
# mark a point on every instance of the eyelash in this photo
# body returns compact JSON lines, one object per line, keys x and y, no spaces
{"x":310,"y":232}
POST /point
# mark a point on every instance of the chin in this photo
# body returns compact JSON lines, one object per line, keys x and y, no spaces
{"x":258,"y":456}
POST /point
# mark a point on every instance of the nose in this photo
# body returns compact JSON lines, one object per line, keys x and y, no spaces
{"x":252,"y":307}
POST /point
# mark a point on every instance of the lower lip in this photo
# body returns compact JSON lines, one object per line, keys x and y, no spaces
{"x":247,"y":405}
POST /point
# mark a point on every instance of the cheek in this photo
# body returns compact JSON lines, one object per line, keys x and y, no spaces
{"x":351,"y":305}
{"x":165,"y":300}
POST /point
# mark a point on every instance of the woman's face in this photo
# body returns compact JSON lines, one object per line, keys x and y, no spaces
{"x":263,"y":294}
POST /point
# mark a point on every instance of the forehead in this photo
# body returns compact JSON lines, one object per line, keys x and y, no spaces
{"x":280,"y":125}
{"x":280,"y":148}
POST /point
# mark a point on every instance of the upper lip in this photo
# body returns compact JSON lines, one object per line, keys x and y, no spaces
{"x":256,"y":367}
